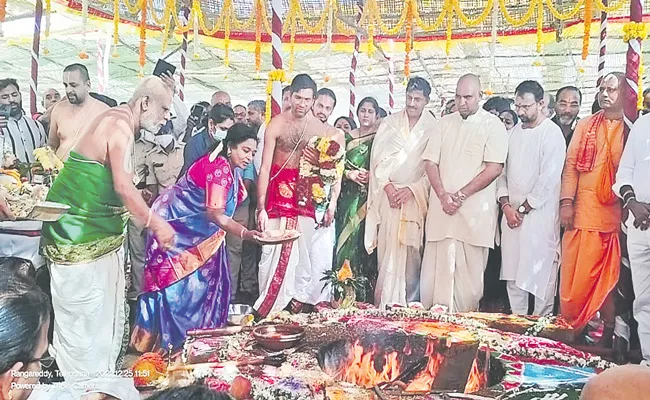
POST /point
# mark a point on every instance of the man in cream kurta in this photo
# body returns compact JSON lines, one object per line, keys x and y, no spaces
{"x":529,"y":194}
{"x":463,"y":159}
{"x":397,"y":197}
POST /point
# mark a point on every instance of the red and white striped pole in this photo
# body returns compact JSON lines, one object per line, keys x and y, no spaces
{"x":602,"y":46}
{"x":632,"y":69}
{"x":36,"y":44}
{"x":391,"y":84}
{"x":353,"y":66}
{"x":185,"y":14}
{"x":276,"y":43}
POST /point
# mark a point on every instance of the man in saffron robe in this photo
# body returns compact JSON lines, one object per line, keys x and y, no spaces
{"x":591,"y":213}
{"x":397,"y":197}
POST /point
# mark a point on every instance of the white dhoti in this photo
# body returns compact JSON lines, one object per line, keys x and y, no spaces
{"x":294,"y":270}
{"x":89,"y":308}
{"x":543,"y":305}
{"x":452,"y":275}
{"x":638,"y":248}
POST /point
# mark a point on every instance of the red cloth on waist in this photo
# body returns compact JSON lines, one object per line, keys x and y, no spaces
{"x":281,"y":196}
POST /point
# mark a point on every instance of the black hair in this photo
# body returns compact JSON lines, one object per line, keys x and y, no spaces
{"x":237,"y":134}
{"x":303,"y":81}
{"x":498,"y":103}
{"x":18,"y":266}
{"x":571,"y":88}
{"x":24,"y":310}
{"x":353,"y":125}
{"x":5,"y":83}
{"x":595,"y":107}
{"x":329,"y":93}
{"x":382,"y":113}
{"x":370,"y":100}
{"x":78,"y":67}
{"x":417,"y":83}
{"x":192,"y":392}
{"x":220,"y":113}
{"x":104,"y":99}
{"x":286,"y":89}
{"x":532,"y":87}
{"x":515,"y":118}
{"x":259,"y":105}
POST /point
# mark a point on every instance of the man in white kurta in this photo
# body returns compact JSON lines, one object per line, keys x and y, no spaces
{"x":397,"y":197}
{"x":633,"y":186}
{"x":529,"y":194}
{"x":463,"y":159}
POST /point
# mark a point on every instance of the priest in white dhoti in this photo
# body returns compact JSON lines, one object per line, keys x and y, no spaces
{"x":529,"y":195}
{"x":397,"y":197}
{"x":463,"y":160}
{"x":633,"y":186}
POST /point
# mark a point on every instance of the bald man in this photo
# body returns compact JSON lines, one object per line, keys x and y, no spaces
{"x":220,"y":97}
{"x":85,"y":246}
{"x":627,"y":382}
{"x":463,"y":160}
{"x":72,"y":116}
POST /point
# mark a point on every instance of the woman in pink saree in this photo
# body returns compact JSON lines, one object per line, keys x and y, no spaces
{"x":188,"y":287}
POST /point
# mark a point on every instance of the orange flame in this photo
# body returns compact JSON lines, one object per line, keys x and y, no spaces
{"x":476,"y":379}
{"x":362,"y":370}
{"x":424,"y":380}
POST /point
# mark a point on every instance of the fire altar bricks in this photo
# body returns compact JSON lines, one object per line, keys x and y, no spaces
{"x":399,"y":353}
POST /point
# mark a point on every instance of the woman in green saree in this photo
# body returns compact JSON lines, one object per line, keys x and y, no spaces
{"x":351,"y":211}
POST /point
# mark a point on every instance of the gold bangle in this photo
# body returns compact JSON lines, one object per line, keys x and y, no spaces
{"x":241,"y":233}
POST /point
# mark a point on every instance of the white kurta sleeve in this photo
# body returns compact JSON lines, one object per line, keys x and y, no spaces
{"x":502,"y":183}
{"x":553,"y":157}
{"x":625,"y":173}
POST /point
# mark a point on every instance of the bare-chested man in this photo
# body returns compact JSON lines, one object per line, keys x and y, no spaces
{"x":71,"y":117}
{"x":291,"y":273}
{"x":85,"y":246}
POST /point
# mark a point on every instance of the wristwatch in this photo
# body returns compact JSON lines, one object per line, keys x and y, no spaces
{"x":522,"y":209}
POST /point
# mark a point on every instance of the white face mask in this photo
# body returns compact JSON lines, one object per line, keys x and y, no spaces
{"x":219,"y":134}
{"x":164,"y":140}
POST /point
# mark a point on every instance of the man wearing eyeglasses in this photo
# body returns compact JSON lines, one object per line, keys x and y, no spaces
{"x":567,"y":109}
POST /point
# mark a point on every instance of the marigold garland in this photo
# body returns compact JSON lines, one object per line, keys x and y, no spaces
{"x":487,"y":11}
{"x":634,"y":30}
{"x":48,"y":12}
{"x":587,"y":21}
{"x":116,"y":26}
{"x":3,"y":10}
{"x":408,"y":40}
{"x":258,"y":36}
{"x":610,"y":8}
{"x":226,"y":40}
{"x":277,"y":75}
{"x":524,"y":18}
{"x":436,"y":24}
{"x":143,"y":37}
{"x":371,"y":40}
{"x":567,"y":15}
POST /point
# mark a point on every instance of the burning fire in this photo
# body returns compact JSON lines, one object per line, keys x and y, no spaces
{"x":424,"y":380}
{"x":477,"y":379}
{"x":369,"y":368}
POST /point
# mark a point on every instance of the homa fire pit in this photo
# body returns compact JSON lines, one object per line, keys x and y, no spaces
{"x":397,"y":354}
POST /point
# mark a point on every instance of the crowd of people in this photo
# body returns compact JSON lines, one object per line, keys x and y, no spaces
{"x":182,"y":197}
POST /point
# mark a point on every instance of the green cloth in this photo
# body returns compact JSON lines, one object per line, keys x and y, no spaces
{"x":351,"y":217}
{"x":96,"y":221}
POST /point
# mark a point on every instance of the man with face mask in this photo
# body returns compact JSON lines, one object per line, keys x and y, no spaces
{"x":71,"y":117}
{"x":567,"y":109}
{"x":529,"y":194}
{"x":397,"y":197}
{"x":463,"y":160}
{"x":85,"y":246}
{"x":591,"y":214}
{"x":21,"y":135}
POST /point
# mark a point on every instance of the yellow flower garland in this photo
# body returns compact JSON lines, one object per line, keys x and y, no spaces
{"x":634,"y":30}
{"x":524,"y":18}
{"x":277,"y":75}
{"x":639,"y":102}
{"x":487,"y":11}
{"x":564,"y":16}
{"x":371,"y":40}
{"x":258,"y":36}
{"x":450,"y":15}
{"x":587,"y":22}
{"x":540,"y":25}
{"x":48,"y":11}
{"x":116,"y":27}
